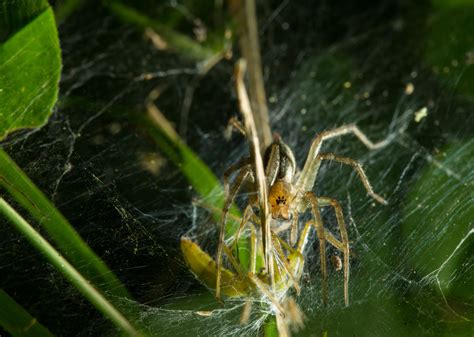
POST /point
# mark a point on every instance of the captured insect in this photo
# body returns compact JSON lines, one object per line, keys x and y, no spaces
{"x":237,"y":283}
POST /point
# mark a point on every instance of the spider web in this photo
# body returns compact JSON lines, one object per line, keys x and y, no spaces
{"x":324,"y":66}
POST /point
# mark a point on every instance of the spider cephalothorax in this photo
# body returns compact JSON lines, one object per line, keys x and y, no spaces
{"x":280,"y":198}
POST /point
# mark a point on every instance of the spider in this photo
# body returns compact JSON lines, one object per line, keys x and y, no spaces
{"x":291,"y":193}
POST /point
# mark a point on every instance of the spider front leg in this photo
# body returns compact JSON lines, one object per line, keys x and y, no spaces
{"x":360,"y":172}
{"x":248,"y":213}
{"x":234,"y":123}
{"x":311,"y":166}
{"x":316,"y":163}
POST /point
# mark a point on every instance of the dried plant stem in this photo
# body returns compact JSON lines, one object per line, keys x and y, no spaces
{"x":249,"y":45}
{"x":252,"y":137}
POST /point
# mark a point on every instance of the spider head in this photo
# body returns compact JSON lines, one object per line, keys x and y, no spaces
{"x":280,"y":198}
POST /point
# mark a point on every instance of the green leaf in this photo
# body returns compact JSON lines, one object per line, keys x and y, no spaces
{"x":30,"y":65}
{"x":65,"y":8}
{"x":17,"y":321}
{"x":439,"y":239}
{"x":176,"y":41}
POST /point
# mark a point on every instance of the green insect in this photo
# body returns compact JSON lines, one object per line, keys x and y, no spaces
{"x":235,"y":283}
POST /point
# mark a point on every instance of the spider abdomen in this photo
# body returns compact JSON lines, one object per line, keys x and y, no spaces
{"x":279,"y":162}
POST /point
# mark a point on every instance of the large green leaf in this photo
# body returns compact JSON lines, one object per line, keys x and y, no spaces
{"x":30,"y":65}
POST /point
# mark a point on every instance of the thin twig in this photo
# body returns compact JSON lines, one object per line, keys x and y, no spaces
{"x":249,"y":45}
{"x":251,"y":132}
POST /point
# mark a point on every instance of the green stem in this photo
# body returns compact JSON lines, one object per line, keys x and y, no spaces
{"x":17,"y":321}
{"x":176,"y":41}
{"x":25,"y":192}
{"x":65,"y":8}
{"x":61,"y":264}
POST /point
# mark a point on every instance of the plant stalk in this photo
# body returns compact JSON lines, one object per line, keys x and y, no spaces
{"x":61,"y":264}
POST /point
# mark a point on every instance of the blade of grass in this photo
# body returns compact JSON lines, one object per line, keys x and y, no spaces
{"x":17,"y":321}
{"x":25,"y":192}
{"x":193,"y":168}
{"x":176,"y":41}
{"x":62,"y":265}
{"x":65,"y":8}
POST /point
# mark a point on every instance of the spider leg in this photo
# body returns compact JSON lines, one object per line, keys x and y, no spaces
{"x":310,"y":169}
{"x":253,"y":250}
{"x":304,"y":239}
{"x":234,"y":123}
{"x":318,"y":223}
{"x":245,"y":316}
{"x":324,"y":201}
{"x":299,"y":250}
{"x":283,"y":260}
{"x":333,"y":240}
{"x":294,"y":227}
{"x":233,"y":168}
{"x":245,"y":219}
{"x":230,"y":195}
{"x":358,"y":168}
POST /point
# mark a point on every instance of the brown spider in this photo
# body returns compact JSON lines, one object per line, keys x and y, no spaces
{"x":291,"y":193}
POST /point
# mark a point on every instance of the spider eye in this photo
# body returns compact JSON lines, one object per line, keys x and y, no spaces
{"x":280,"y":200}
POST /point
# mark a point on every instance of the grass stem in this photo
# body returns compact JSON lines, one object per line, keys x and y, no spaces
{"x":62,"y":265}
